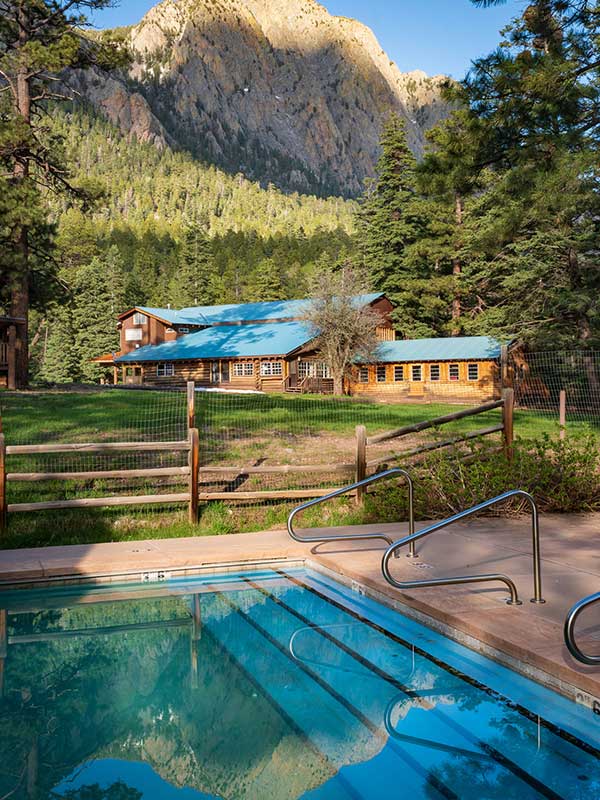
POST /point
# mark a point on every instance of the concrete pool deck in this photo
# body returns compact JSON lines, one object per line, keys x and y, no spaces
{"x":530,"y":635}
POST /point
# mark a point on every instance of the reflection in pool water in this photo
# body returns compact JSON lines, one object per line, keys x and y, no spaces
{"x":255,"y":686}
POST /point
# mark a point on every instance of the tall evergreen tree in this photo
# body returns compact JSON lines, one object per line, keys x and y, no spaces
{"x":38,"y":40}
{"x":401,"y":234}
{"x":192,"y":283}
{"x":533,"y":110}
{"x":266,"y":282}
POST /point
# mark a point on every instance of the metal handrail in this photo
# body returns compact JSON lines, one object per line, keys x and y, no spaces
{"x":569,"y":630}
{"x":436,"y":526}
{"x":344,"y":490}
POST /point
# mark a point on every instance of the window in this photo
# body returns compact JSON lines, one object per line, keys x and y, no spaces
{"x":133,"y":334}
{"x":313,"y":369}
{"x":165,"y":370}
{"x":416,"y":372}
{"x":271,"y":368}
{"x":398,"y":372}
{"x":381,"y":373}
{"x":473,"y":372}
{"x":215,"y":374}
{"x":363,"y":375}
{"x":139,"y":319}
{"x":434,"y":372}
{"x":184,"y":330}
{"x":453,"y":372}
{"x":243,"y":369}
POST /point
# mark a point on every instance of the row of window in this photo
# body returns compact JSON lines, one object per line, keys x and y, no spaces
{"x":245,"y":369}
{"x":417,"y":373}
{"x":241,"y":369}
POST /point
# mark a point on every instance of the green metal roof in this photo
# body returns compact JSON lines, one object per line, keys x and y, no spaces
{"x":243,"y":312}
{"x":227,"y":341}
{"x":452,"y":348}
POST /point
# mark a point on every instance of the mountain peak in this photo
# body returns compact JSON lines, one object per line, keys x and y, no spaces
{"x":279,"y":90}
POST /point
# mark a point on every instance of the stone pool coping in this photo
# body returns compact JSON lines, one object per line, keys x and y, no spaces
{"x":527,"y":637}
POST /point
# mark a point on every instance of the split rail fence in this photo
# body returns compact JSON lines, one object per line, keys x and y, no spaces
{"x":198,"y":475}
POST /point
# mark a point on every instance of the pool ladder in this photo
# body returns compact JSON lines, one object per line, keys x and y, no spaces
{"x":412,"y":538}
{"x":484,"y":578}
{"x":569,"y":630}
{"x":351,"y":488}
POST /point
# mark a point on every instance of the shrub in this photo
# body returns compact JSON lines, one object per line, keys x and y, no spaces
{"x":562,"y":475}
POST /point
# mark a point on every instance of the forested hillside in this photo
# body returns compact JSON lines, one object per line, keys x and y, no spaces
{"x":167,"y":228}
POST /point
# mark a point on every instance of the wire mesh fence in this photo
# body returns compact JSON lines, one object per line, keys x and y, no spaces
{"x":560,"y":389}
{"x":260,"y":454}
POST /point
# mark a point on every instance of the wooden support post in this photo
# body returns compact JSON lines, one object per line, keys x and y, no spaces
{"x":562,"y":413}
{"x":12,"y":358}
{"x":508,"y":397}
{"x":504,"y":366}
{"x":3,"y":502}
{"x":191,"y":404}
{"x":194,"y":464}
{"x":115,"y":374}
{"x":361,"y":461}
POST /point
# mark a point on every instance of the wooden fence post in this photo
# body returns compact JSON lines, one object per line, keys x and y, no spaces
{"x":504,"y":366}
{"x":361,"y":461}
{"x":191,"y":405}
{"x":194,"y":463}
{"x":562,"y":413}
{"x":3,"y":504}
{"x":508,"y":396}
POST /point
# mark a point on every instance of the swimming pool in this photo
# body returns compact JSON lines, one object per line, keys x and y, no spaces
{"x":268,"y":684}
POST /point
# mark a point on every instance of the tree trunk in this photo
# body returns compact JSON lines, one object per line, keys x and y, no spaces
{"x":457,"y":267}
{"x":338,"y":384}
{"x":19,"y":290}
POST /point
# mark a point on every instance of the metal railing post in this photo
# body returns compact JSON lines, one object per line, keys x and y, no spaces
{"x":437,"y":526}
{"x":569,"y":630}
{"x":350,"y":488}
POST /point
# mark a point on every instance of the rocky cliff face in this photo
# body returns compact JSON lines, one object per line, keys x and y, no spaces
{"x":279,"y":90}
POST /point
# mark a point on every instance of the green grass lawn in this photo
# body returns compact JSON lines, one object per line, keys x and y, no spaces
{"x":233,"y":428}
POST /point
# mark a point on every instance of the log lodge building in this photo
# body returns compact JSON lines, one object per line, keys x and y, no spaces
{"x":268,"y":347}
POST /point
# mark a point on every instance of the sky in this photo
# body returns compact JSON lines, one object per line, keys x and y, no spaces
{"x":437,"y":36}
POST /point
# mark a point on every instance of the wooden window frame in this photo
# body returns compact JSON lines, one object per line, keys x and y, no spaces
{"x":243,"y":369}
{"x":165,"y":369}
{"x":470,"y":366}
{"x":139,"y":318}
{"x":271,"y":369}
{"x":457,"y":376}
{"x":414,"y":367}
{"x":439,"y":372}
{"x":363,"y":375}
{"x":379,"y":370}
{"x":398,"y":370}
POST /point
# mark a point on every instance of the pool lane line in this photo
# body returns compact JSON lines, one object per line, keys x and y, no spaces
{"x":501,"y":759}
{"x":374,"y":729}
{"x":521,"y":709}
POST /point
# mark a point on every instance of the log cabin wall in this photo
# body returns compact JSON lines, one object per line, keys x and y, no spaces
{"x":426,"y":381}
{"x":230,"y":373}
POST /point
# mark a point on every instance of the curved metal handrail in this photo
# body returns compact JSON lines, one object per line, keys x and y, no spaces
{"x":344,"y":490}
{"x":569,"y":630}
{"x":436,"y":526}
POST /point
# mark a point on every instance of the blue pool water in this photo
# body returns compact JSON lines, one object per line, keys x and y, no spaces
{"x":268,"y":685}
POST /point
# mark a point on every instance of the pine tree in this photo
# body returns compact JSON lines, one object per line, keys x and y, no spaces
{"x":39,"y":39}
{"x":100,"y":292}
{"x":265,"y":282}
{"x":401,"y":239}
{"x":193,"y":281}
